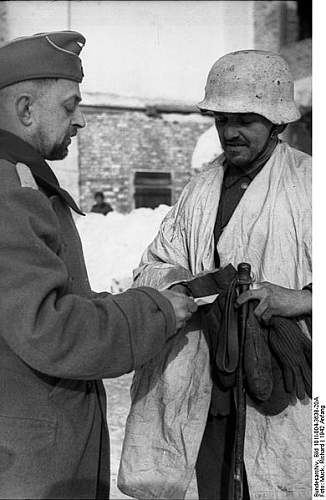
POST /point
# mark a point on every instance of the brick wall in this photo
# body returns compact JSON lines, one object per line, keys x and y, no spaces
{"x":116,"y":144}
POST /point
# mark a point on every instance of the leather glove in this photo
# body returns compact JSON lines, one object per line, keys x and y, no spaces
{"x":257,"y":361}
{"x":220,"y":325}
{"x":211,"y":283}
{"x":294,"y":350}
{"x":217,"y":319}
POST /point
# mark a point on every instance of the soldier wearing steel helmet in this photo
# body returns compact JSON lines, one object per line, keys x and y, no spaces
{"x":253,"y":204}
{"x":58,"y":338}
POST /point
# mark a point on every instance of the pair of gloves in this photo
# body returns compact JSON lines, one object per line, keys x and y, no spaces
{"x":294,"y":351}
{"x":277,"y":362}
{"x":277,"y":358}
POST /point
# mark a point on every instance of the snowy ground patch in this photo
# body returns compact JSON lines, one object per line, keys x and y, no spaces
{"x":113,"y":245}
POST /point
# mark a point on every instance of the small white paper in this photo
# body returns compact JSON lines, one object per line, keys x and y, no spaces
{"x":202,"y":301}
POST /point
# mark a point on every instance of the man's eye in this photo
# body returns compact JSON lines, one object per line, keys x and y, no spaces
{"x":247,"y":119}
{"x":70,"y":109}
{"x":220,"y":120}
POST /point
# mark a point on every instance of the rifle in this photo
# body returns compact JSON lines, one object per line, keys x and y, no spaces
{"x":244,"y":281}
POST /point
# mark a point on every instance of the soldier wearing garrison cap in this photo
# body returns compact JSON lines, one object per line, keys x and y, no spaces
{"x":58,"y":338}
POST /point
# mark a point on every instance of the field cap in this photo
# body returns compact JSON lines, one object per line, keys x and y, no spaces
{"x":44,"y":55}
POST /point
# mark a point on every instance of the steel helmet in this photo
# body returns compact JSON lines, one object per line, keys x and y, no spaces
{"x":251,"y":81}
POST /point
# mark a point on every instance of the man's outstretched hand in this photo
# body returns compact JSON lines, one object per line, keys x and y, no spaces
{"x":183,"y":306}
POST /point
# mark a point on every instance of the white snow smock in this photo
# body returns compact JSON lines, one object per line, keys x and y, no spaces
{"x":270,"y":229}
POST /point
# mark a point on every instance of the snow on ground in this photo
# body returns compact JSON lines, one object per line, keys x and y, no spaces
{"x":113,"y":244}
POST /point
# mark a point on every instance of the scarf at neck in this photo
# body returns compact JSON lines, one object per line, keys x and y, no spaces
{"x":15,"y":150}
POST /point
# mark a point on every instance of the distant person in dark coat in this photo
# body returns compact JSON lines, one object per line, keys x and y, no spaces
{"x":101,"y":206}
{"x":58,"y":338}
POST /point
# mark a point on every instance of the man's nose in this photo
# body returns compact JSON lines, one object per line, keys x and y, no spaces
{"x":79,"y":119}
{"x":231,"y":131}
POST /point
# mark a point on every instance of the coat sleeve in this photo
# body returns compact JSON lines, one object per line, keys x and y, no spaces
{"x":60,"y":334}
{"x":166,"y":260}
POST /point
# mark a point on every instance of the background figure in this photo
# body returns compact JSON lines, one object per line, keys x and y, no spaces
{"x":101,"y":206}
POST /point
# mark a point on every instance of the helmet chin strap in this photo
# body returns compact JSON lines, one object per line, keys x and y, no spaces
{"x":267,"y":150}
{"x":277,"y":129}
{"x":269,"y":147}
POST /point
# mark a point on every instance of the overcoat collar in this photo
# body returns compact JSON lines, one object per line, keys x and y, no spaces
{"x":15,"y":150}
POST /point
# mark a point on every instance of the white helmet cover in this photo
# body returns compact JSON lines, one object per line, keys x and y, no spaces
{"x":252,"y":81}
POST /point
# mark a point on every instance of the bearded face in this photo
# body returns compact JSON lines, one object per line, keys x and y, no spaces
{"x":57,"y":118}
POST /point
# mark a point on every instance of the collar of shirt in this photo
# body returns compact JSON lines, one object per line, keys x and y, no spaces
{"x":15,"y":150}
{"x":234,"y":174}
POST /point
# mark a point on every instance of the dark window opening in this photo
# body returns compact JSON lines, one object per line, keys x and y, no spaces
{"x":305,"y":18}
{"x":152,"y":189}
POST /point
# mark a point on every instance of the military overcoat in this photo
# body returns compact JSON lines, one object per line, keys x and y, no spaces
{"x":58,"y":339}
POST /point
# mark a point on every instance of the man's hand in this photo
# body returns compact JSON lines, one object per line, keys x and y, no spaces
{"x":276,"y":300}
{"x":179,"y":288}
{"x":183,"y":306}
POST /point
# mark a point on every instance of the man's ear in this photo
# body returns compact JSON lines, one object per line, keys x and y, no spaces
{"x":23,"y":109}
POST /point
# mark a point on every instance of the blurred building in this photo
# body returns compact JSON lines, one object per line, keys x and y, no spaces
{"x":145,"y":67}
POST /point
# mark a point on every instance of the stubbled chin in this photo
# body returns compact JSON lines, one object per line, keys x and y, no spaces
{"x":236,"y":159}
{"x":234,"y":154}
